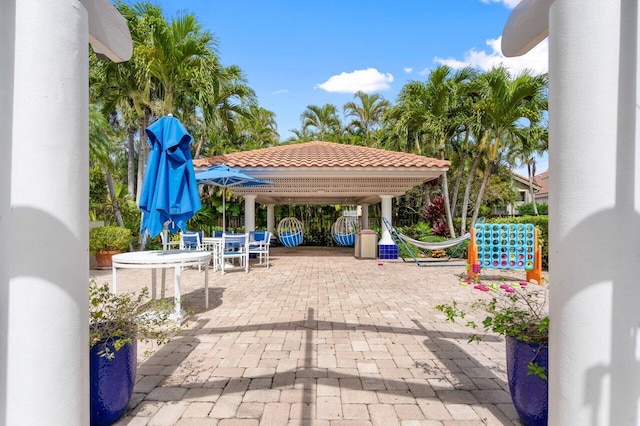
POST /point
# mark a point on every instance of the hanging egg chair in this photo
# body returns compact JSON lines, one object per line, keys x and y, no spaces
{"x":344,"y":230}
{"x":290,"y":232}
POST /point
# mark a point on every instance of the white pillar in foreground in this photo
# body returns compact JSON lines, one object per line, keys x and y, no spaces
{"x":249,"y":212}
{"x":270,"y":218}
{"x":594,"y":218}
{"x":365,"y":216}
{"x":385,"y":238}
{"x":44,"y":199}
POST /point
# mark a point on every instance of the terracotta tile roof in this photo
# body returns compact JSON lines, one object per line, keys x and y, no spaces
{"x":321,"y":154}
{"x":542,"y":180}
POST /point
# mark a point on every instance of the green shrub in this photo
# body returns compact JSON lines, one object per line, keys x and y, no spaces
{"x":527,"y":209}
{"x":108,"y":238}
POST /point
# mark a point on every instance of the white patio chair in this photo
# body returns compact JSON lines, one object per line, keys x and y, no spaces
{"x":235,"y":247}
{"x":167,"y":243}
{"x":260,"y":247}
{"x":191,"y":240}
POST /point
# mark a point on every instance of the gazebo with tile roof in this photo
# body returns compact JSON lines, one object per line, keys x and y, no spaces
{"x":327,"y":173}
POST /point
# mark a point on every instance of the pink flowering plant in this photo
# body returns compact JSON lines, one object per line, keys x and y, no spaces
{"x":511,"y":309}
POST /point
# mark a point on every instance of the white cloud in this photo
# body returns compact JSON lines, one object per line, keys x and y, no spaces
{"x":508,"y":3}
{"x":280,"y":91}
{"x":367,"y":81}
{"x":536,"y":60}
{"x":408,"y":70}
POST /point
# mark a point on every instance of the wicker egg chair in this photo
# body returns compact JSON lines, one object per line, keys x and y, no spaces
{"x":290,"y":232}
{"x":344,"y":231}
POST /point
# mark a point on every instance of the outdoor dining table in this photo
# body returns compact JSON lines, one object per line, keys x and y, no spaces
{"x":159,"y":259}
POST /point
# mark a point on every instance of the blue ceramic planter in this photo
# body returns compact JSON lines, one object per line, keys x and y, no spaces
{"x":529,"y":393}
{"x":112,"y":383}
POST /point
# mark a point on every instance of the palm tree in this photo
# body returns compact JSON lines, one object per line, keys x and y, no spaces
{"x":300,"y":135}
{"x":504,"y":105}
{"x":226,"y":97}
{"x":324,"y":119}
{"x":532,"y":141}
{"x":174,"y":69}
{"x":429,"y":116}
{"x":178,"y":51}
{"x":367,"y":114}
{"x":124,"y":90}
{"x":258,"y":128}
{"x":101,"y":148}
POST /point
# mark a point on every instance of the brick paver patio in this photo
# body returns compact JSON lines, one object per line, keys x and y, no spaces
{"x":320,"y":338}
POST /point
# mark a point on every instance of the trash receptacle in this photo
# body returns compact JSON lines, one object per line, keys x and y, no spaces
{"x":366,"y":244}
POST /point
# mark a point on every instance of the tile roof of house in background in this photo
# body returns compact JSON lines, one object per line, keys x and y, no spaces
{"x":525,"y":180}
{"x":542,"y":180}
{"x":322,"y":155}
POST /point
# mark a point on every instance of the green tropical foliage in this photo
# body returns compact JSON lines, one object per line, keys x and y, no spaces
{"x":108,"y":238}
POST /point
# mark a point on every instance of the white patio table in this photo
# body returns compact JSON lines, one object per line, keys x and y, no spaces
{"x":159,"y":259}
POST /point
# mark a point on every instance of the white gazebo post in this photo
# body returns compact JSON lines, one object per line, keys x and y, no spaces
{"x":271,"y":221}
{"x":387,"y":249}
{"x":594,"y":204}
{"x":44,"y":196}
{"x":249,"y":212}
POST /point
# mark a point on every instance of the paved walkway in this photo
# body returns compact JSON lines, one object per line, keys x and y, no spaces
{"x":320,"y":338}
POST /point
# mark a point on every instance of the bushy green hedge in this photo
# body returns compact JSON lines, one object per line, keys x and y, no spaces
{"x":527,"y":209}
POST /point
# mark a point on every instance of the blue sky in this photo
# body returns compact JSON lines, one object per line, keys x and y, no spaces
{"x":300,"y":53}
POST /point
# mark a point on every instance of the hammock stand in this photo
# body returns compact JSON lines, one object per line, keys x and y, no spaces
{"x":400,"y":238}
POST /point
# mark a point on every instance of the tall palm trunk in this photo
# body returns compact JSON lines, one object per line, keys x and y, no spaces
{"x":467,"y":191}
{"x":447,"y":206}
{"x":131,"y":161}
{"x":456,"y":188}
{"x":199,"y":147}
{"x":142,"y":154}
{"x":114,"y":199}
{"x":458,"y":182}
{"x":483,"y":186}
{"x":426,"y":194}
{"x":531,"y":169}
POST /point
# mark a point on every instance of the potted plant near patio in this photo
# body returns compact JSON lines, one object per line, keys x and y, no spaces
{"x":519,"y":314}
{"x":116,"y":323}
{"x":105,"y":241}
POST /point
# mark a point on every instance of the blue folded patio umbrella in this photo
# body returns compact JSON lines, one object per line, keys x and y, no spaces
{"x":169,"y":191}
{"x":225,"y":177}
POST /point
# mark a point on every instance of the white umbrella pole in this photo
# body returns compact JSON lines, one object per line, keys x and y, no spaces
{"x":224,"y":220}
